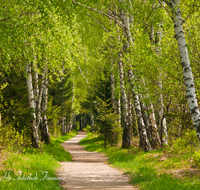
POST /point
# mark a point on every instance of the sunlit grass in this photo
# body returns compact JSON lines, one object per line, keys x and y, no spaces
{"x":152,"y":170}
{"x":35,"y":169}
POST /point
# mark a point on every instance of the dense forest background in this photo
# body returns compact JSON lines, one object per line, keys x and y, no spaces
{"x":122,"y":68}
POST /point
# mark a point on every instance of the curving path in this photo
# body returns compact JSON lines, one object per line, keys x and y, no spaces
{"x":89,"y":170}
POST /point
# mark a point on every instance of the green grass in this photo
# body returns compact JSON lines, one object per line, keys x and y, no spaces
{"x":32,"y":163}
{"x":146,"y":169}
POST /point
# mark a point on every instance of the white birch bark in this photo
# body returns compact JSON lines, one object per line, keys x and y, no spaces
{"x":154,"y":129}
{"x":185,"y":62}
{"x":29,"y":83}
{"x":40,"y":97}
{"x":92,"y":120}
{"x":127,"y":131}
{"x":130,"y":114}
{"x":45,"y":129}
{"x":145,"y":118}
{"x":144,"y":141}
{"x":126,"y":126}
{"x":141,"y":126}
{"x":71,"y":117}
{"x":119,"y":110}
{"x":63,"y":126}
{"x":113,"y":99}
{"x":154,"y":136}
{"x":36,"y":78}
{"x":112,"y":85}
{"x":162,"y":119}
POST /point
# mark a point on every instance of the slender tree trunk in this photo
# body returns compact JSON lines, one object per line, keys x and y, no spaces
{"x":185,"y":62}
{"x":92,"y":121}
{"x":144,"y":141}
{"x":126,"y":140}
{"x":119,"y":110}
{"x":39,"y":103}
{"x":34,"y":128}
{"x":36,"y":79}
{"x":154,"y":129}
{"x":127,"y":131}
{"x":63,"y":125}
{"x":130,"y":116}
{"x":113,"y":99}
{"x":141,"y":126}
{"x":135,"y":124}
{"x":162,"y":119}
{"x":80,"y":124}
{"x":71,"y":117}
{"x":45,"y":130}
{"x":145,"y":118}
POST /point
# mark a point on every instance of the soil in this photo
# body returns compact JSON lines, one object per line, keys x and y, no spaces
{"x":89,"y":170}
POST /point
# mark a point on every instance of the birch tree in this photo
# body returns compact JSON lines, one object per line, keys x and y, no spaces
{"x":174,"y":6}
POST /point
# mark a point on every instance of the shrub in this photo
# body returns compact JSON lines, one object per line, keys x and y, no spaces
{"x":108,"y":123}
{"x":196,"y":159}
{"x":87,"y":128}
{"x":10,"y":138}
{"x":186,"y":144}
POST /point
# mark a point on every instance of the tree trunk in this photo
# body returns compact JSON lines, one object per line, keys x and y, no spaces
{"x":144,"y":141}
{"x":162,"y":119}
{"x":92,"y":121}
{"x":113,"y":99}
{"x":130,"y":116}
{"x":126,"y":140}
{"x":63,"y":125}
{"x":154,"y":129}
{"x":45,"y":136}
{"x":127,"y":130}
{"x":39,"y":103}
{"x":36,"y":79}
{"x":141,"y":126}
{"x":71,"y":115}
{"x":80,"y":123}
{"x":145,"y":118}
{"x":34,"y":127}
{"x":119,"y":110}
{"x":185,"y":62}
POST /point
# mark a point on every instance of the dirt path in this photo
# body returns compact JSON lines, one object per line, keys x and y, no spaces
{"x":89,"y":170}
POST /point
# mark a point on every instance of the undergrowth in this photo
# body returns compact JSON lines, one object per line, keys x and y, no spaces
{"x":34,"y":169}
{"x":163,"y":169}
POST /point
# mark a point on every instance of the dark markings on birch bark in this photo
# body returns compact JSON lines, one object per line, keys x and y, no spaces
{"x":185,"y":62}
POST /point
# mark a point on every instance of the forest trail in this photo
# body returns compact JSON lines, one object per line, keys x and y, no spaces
{"x":89,"y":170}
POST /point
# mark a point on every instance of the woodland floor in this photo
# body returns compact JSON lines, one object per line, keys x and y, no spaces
{"x":89,"y":170}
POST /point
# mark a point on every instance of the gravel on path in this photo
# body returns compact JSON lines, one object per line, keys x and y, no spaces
{"x":88,"y":170}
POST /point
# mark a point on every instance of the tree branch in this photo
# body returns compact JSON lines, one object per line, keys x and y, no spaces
{"x":168,"y":3}
{"x":97,"y":22}
{"x":83,"y":74}
{"x":100,"y":12}
{"x":164,"y":6}
{"x":4,"y":19}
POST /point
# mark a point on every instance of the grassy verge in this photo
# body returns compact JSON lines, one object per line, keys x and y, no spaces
{"x":33,"y":169}
{"x":155,"y":170}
